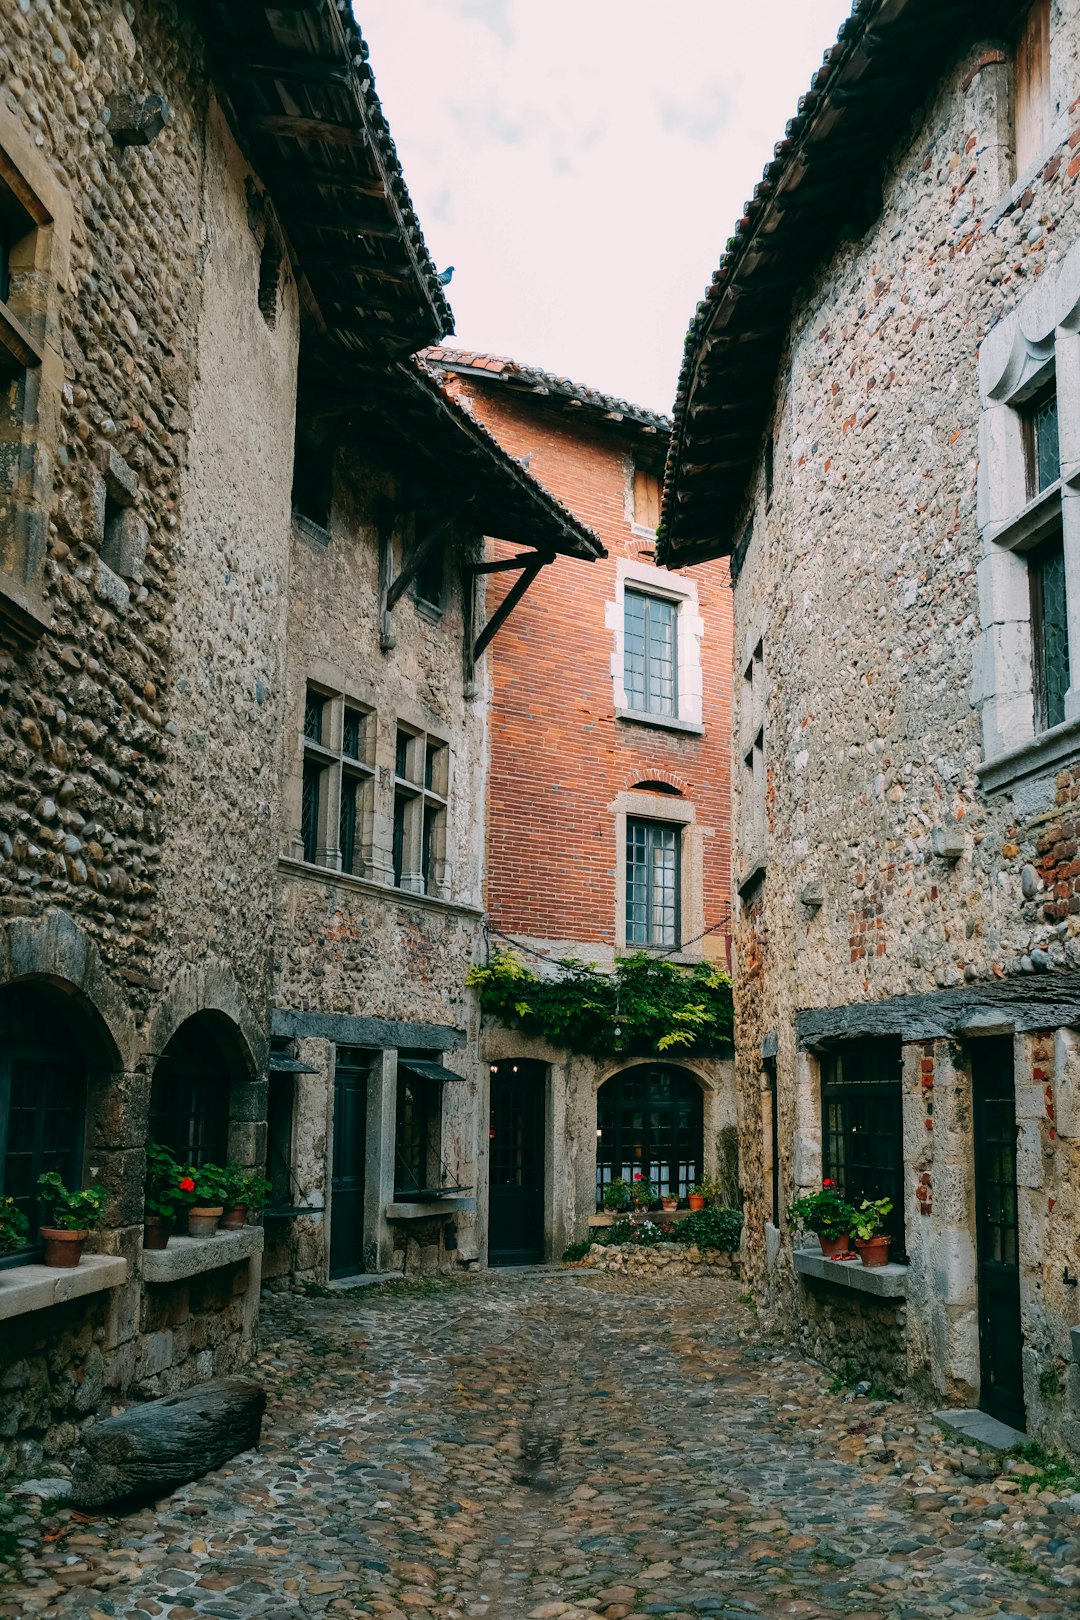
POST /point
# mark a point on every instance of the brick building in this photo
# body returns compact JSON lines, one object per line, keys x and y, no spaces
{"x":608,"y":807}
{"x":877,"y":423}
{"x":240,"y":739}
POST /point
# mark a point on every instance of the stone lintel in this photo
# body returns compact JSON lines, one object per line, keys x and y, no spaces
{"x":883,"y":1282}
{"x":1028,"y":1002}
{"x":33,"y":1288}
{"x":378,"y":1033}
{"x":188,"y":1256}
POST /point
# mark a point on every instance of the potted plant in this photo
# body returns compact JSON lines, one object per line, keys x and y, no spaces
{"x":827,"y":1215}
{"x":669,"y":1201}
{"x":243,"y":1191}
{"x":162,"y":1197}
{"x":203,"y":1191}
{"x":700,"y":1192}
{"x":642,"y":1191}
{"x":70,"y":1217}
{"x":13,"y":1226}
{"x":867,"y":1221}
{"x":617,"y":1196}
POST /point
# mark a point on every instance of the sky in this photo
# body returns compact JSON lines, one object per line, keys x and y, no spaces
{"x":581,"y":163}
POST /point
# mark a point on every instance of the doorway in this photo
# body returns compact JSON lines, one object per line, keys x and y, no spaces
{"x":351,"y":1072}
{"x":516,"y":1163}
{"x":1001,"y":1340}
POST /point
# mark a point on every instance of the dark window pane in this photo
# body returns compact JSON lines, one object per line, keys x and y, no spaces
{"x":652,"y":884}
{"x":1050,"y":633}
{"x":415,"y":1113}
{"x":431,"y":827}
{"x":401,"y":806}
{"x":42,"y":1098}
{"x":189,"y":1098}
{"x":862,"y":1146}
{"x":352,"y":736}
{"x":650,"y":1123}
{"x":347,"y":829}
{"x":1047,"y":453}
{"x":401,"y":755}
{"x":314,"y":710}
{"x":650,"y":658}
{"x":309,"y":809}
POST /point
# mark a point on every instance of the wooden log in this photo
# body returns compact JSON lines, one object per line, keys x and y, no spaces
{"x":151,"y":1449}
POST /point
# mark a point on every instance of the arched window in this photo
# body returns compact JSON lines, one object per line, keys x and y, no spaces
{"x":650,"y":1122}
{"x":42,"y":1095}
{"x":189,"y":1098}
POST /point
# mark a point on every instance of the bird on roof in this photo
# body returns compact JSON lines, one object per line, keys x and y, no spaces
{"x":443,"y":277}
{"x":526,"y":460}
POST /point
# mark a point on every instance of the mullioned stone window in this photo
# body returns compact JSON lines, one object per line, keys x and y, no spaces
{"x":1025,"y":679}
{"x":337,"y":782}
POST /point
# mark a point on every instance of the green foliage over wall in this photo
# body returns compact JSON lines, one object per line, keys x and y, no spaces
{"x":646,"y":1006}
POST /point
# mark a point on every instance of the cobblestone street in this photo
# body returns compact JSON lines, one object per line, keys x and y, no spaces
{"x":553,"y":1443}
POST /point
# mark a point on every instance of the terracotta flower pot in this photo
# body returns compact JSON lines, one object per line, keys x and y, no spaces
{"x":234,"y":1218}
{"x":669,"y":1204}
{"x":696,"y":1200}
{"x":63,"y":1248}
{"x":832,"y":1246}
{"x":156,"y":1232}
{"x":874,"y":1251}
{"x":202,"y":1219}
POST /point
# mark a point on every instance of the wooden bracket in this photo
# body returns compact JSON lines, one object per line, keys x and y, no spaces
{"x":392,"y":589}
{"x":530,"y":567}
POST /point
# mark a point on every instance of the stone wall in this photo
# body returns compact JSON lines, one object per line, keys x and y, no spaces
{"x":866,"y":587}
{"x":665,"y":1260}
{"x":858,"y":1338}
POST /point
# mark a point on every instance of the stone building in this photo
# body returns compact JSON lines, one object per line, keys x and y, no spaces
{"x":208,"y":255}
{"x":877,"y":423}
{"x":612,"y":682}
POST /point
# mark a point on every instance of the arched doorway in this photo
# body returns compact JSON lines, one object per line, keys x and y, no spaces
{"x":651,"y":1122}
{"x":43,"y":1090}
{"x":191,"y":1092}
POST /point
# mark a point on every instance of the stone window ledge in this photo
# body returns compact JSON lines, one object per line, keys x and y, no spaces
{"x":189,"y":1257}
{"x":1054,"y":749}
{"x":437,"y":1206}
{"x":34,"y":1288}
{"x":883,"y":1282}
{"x":1034,"y":521}
{"x":385,"y":891}
{"x":661,"y":722}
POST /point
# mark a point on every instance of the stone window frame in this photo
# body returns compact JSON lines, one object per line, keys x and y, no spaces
{"x":648,"y":580}
{"x":422,"y":799}
{"x":336,"y":768}
{"x":636,"y":805}
{"x":30,"y":339}
{"x":1036,"y":343}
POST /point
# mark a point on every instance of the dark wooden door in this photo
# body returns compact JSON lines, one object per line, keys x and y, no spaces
{"x":516,"y":1164}
{"x":1000,"y":1336}
{"x":347,"y":1181}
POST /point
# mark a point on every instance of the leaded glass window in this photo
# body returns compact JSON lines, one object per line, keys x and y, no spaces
{"x":862,"y":1136}
{"x":189,"y":1098}
{"x":311,"y":795}
{"x":42,"y":1098}
{"x":650,"y":1123}
{"x":347,"y":819}
{"x":352,"y":734}
{"x":650,"y":673}
{"x":1041,"y":442}
{"x":314,"y":710}
{"x":652,"y":883}
{"x":417,"y":1124}
{"x":1049,"y":633}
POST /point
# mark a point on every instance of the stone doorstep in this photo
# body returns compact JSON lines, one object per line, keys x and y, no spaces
{"x":34,"y":1288}
{"x":884,"y":1282}
{"x":188,"y":1256}
{"x":980,"y":1426}
{"x":362,"y":1279}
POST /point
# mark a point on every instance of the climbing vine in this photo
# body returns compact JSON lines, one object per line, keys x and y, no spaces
{"x":647,"y":1005}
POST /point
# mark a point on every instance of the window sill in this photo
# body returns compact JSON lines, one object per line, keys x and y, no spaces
{"x":1039,"y":517}
{"x":35,"y":1288}
{"x":18,"y":350}
{"x":21,"y":610}
{"x":661,"y":722}
{"x":388,"y":891}
{"x":310,"y":529}
{"x":436,"y":1206}
{"x":1040,"y":755}
{"x":882,"y":1282}
{"x":189,"y":1257}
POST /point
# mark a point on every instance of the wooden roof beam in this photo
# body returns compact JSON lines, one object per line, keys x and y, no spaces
{"x":292,"y":127}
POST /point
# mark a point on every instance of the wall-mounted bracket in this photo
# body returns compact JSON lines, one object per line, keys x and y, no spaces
{"x":391,"y":588}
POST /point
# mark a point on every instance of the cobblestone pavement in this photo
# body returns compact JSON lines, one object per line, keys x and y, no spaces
{"x":560,"y":1445}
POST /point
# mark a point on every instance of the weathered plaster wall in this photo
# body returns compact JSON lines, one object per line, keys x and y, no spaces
{"x":861,"y":582}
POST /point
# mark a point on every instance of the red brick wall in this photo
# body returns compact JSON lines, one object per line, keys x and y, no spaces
{"x":559,"y":757}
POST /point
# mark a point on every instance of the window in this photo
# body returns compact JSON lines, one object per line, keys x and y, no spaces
{"x":421,"y":773}
{"x":773,"y":1129}
{"x":1042,"y":456}
{"x":1031,"y":81}
{"x":650,"y":653}
{"x":189,"y":1097}
{"x":337,"y":782}
{"x":429,"y":585}
{"x":416,"y":1161}
{"x":646,"y":500}
{"x":1049,"y":632}
{"x":42,"y":1099}
{"x":754,"y":781}
{"x":862,"y":1148}
{"x":653,"y":880}
{"x":312,"y":488}
{"x":650,"y":1122}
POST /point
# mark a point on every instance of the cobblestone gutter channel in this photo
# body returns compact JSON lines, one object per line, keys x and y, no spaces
{"x":558,"y":1445}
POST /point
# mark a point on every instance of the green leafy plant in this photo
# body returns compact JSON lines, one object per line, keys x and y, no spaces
{"x":162,"y":1195}
{"x":577,"y":1251}
{"x":14,"y":1226}
{"x":240,"y":1186}
{"x":824,"y":1212}
{"x":69,"y":1211}
{"x":638,"y":1234}
{"x":1052,"y":1470}
{"x":203,"y":1186}
{"x":646,"y":1005}
{"x":617,"y":1195}
{"x":710,"y":1229}
{"x":869,"y":1218}
{"x":643,"y":1191}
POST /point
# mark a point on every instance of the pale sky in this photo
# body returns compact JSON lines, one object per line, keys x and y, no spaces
{"x":581,"y":163}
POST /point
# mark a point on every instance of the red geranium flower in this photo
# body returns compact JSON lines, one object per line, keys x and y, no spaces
{"x":186,"y":1184}
{"x":637,"y":1175}
{"x":828,"y":1183}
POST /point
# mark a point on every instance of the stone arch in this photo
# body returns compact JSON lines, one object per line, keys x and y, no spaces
{"x":210,"y":987}
{"x":54,"y":950}
{"x":651,"y":1121}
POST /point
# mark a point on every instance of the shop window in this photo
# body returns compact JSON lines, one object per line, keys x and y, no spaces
{"x":862,"y":1128}
{"x":653,"y":883}
{"x":189,"y":1096}
{"x":421,"y":784}
{"x":650,"y":1123}
{"x":42,"y":1100}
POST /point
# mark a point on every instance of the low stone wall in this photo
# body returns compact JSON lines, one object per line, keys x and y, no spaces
{"x":665,"y":1259}
{"x":854,"y":1334}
